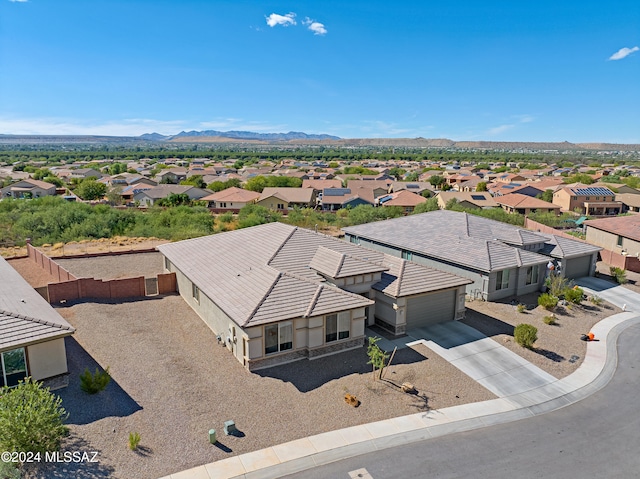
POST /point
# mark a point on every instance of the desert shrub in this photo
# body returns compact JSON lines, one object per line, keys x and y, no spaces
{"x":525,"y":335}
{"x":618,"y":274}
{"x":557,"y":284}
{"x":226,"y":217}
{"x":596,"y":300}
{"x":550,"y":320}
{"x":547,"y":301}
{"x":94,"y":383}
{"x":574,"y":295}
{"x":134,"y":440}
{"x":521,"y":308}
{"x":9,"y":470}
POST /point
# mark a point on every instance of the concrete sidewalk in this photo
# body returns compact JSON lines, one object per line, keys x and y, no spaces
{"x":594,"y":373}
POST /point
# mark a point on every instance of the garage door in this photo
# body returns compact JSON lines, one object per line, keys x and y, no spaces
{"x":577,"y":267}
{"x":431,"y":309}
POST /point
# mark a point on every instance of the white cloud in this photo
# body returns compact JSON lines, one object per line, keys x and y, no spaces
{"x":239,"y":124}
{"x":284,"y":20}
{"x":76,"y":126}
{"x":509,"y":126}
{"x":18,"y":1}
{"x":316,"y":27}
{"x":623,"y":53}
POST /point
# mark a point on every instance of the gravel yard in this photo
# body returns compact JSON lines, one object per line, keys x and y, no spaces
{"x":172,"y":382}
{"x":114,"y":267}
{"x":558,"y":350}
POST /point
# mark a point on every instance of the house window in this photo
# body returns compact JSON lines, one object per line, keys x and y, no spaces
{"x":195,"y":292}
{"x":619,"y":243}
{"x":278,"y":337}
{"x":280,"y":206}
{"x":354,"y":239}
{"x":167,"y":264}
{"x":13,"y":367}
{"x":223,"y":205}
{"x":587,"y":198}
{"x":532,"y":275}
{"x":408,"y":255}
{"x":337,"y":326}
{"x":502,"y":279}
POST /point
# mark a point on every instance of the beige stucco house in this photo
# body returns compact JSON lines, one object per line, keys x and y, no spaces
{"x":31,"y":332}
{"x":231,"y":199}
{"x":588,"y":200}
{"x":276,"y":293}
{"x":28,"y":188}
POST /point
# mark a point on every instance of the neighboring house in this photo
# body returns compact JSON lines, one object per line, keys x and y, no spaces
{"x":467,"y":199}
{"x":404,"y":199}
{"x":333,"y":199}
{"x":171,"y":176}
{"x":284,"y":198}
{"x":529,"y":189}
{"x":630,"y":201}
{"x":84,"y":173}
{"x":469,"y":185}
{"x":231,"y":199}
{"x":28,"y":189}
{"x":31,"y":332}
{"x":320,"y":185}
{"x":417,"y":187}
{"x":379,"y":188}
{"x":510,"y":178}
{"x":128,"y":192}
{"x":148,"y":197}
{"x":588,"y":200}
{"x":523,"y":204}
{"x":276,"y":293}
{"x":502,"y":260}
{"x":620,"y":235}
{"x":127,"y":179}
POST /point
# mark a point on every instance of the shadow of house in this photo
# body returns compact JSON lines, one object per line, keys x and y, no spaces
{"x":487,"y":325}
{"x":322,"y":370}
{"x":90,"y":467}
{"x":84,"y":408}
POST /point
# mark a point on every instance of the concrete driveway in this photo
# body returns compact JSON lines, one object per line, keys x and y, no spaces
{"x":615,"y":294}
{"x":498,"y":369}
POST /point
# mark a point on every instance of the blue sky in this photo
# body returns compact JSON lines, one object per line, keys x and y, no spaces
{"x":464,"y":70}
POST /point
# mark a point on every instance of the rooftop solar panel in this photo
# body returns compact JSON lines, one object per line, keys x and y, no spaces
{"x":336,"y":191}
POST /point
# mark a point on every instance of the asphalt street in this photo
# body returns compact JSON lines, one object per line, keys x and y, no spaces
{"x":597,"y":437}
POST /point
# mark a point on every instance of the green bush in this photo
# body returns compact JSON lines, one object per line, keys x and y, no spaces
{"x":618,"y":274}
{"x":226,"y":217}
{"x":525,"y":335}
{"x":550,"y":320}
{"x":9,"y":470}
{"x":31,"y":419}
{"x":547,"y":301}
{"x":521,"y":308}
{"x":94,"y":383}
{"x":574,"y":295}
{"x":134,"y":440}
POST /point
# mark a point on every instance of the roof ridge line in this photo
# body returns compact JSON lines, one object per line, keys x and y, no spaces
{"x":264,"y":298}
{"x":555,"y":237}
{"x":343,"y":257}
{"x":295,"y":228}
{"x":403,"y":264}
{"x":314,"y":301}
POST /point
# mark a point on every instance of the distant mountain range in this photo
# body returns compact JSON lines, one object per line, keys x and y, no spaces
{"x":238,"y":135}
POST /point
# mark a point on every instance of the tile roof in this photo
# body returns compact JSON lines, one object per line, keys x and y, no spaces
{"x":290,"y":195}
{"x":266,"y":273}
{"x":468,"y":240}
{"x":402,"y":198}
{"x":25,"y":316}
{"x":336,"y":264}
{"x":627,"y":226}
{"x":233,"y":194}
{"x":406,"y":278}
{"x":518,"y":200}
{"x":560,"y":247}
{"x":481,"y":199}
{"x":321,"y":184}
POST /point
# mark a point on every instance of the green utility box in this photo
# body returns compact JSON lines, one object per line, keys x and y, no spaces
{"x":212,"y":436}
